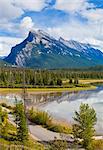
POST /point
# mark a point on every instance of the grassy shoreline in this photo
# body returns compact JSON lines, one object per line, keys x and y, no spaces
{"x":47,"y":90}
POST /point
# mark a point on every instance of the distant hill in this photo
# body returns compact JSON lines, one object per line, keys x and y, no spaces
{"x":96,"y":68}
{"x":40,"y":50}
{"x":3,"y":63}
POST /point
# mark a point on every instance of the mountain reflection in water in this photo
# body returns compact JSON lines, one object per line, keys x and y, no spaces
{"x":65,"y":107}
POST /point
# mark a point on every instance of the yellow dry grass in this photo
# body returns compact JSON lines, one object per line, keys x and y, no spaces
{"x":44,"y":90}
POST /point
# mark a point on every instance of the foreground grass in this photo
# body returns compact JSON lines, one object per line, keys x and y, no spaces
{"x":10,"y":140}
{"x":30,"y":145}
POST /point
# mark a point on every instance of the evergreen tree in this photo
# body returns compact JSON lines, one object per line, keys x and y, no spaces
{"x":52,"y":82}
{"x":22,"y":131}
{"x":59,"y":82}
{"x":76,"y":81}
{"x":84,"y":127}
{"x":70,"y":81}
{"x":0,"y":115}
{"x":3,"y":122}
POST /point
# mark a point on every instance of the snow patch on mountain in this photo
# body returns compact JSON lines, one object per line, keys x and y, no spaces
{"x":41,"y":47}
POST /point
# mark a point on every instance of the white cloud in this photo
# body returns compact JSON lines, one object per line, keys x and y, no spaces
{"x":93,"y":14}
{"x":72,"y":5}
{"x":82,"y":7}
{"x":90,"y":32}
{"x":6,"y":43}
{"x":8,"y":10}
{"x":26,"y":25}
{"x":87,"y":33}
{"x":13,"y":9}
{"x":22,"y":29}
{"x":8,"y":26}
{"x":31,"y":5}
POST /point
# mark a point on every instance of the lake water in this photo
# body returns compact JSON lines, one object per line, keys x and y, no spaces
{"x":63,"y":105}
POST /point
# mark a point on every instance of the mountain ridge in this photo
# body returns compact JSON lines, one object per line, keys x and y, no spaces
{"x":40,"y":50}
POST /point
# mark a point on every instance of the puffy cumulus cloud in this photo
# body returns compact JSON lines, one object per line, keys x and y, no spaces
{"x":6,"y":43}
{"x":26,"y":25}
{"x":8,"y":10}
{"x":72,"y":6}
{"x":31,"y":5}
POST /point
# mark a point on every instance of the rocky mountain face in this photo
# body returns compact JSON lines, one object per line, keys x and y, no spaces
{"x":40,"y":50}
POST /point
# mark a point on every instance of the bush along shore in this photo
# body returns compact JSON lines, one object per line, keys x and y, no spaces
{"x":43,"y":118}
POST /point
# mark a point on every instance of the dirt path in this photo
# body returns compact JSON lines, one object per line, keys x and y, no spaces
{"x":42,"y":134}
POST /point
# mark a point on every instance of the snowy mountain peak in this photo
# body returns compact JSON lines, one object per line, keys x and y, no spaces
{"x":33,"y":32}
{"x":40,"y":49}
{"x":43,"y":33}
{"x":40,"y":33}
{"x":75,"y":45}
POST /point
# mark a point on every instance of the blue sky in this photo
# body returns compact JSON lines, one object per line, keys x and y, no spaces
{"x":80,"y":20}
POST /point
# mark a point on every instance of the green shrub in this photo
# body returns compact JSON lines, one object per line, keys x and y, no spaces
{"x":55,"y":128}
{"x":44,"y":119}
{"x":40,"y":117}
{"x":60,"y":128}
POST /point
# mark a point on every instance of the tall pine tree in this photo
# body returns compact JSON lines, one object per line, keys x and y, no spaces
{"x":83,"y":128}
{"x":22,"y":130}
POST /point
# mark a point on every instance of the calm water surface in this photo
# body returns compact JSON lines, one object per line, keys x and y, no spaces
{"x":64,"y":108}
{"x":63,"y":105}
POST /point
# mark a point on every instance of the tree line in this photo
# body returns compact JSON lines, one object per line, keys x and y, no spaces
{"x":14,"y":77}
